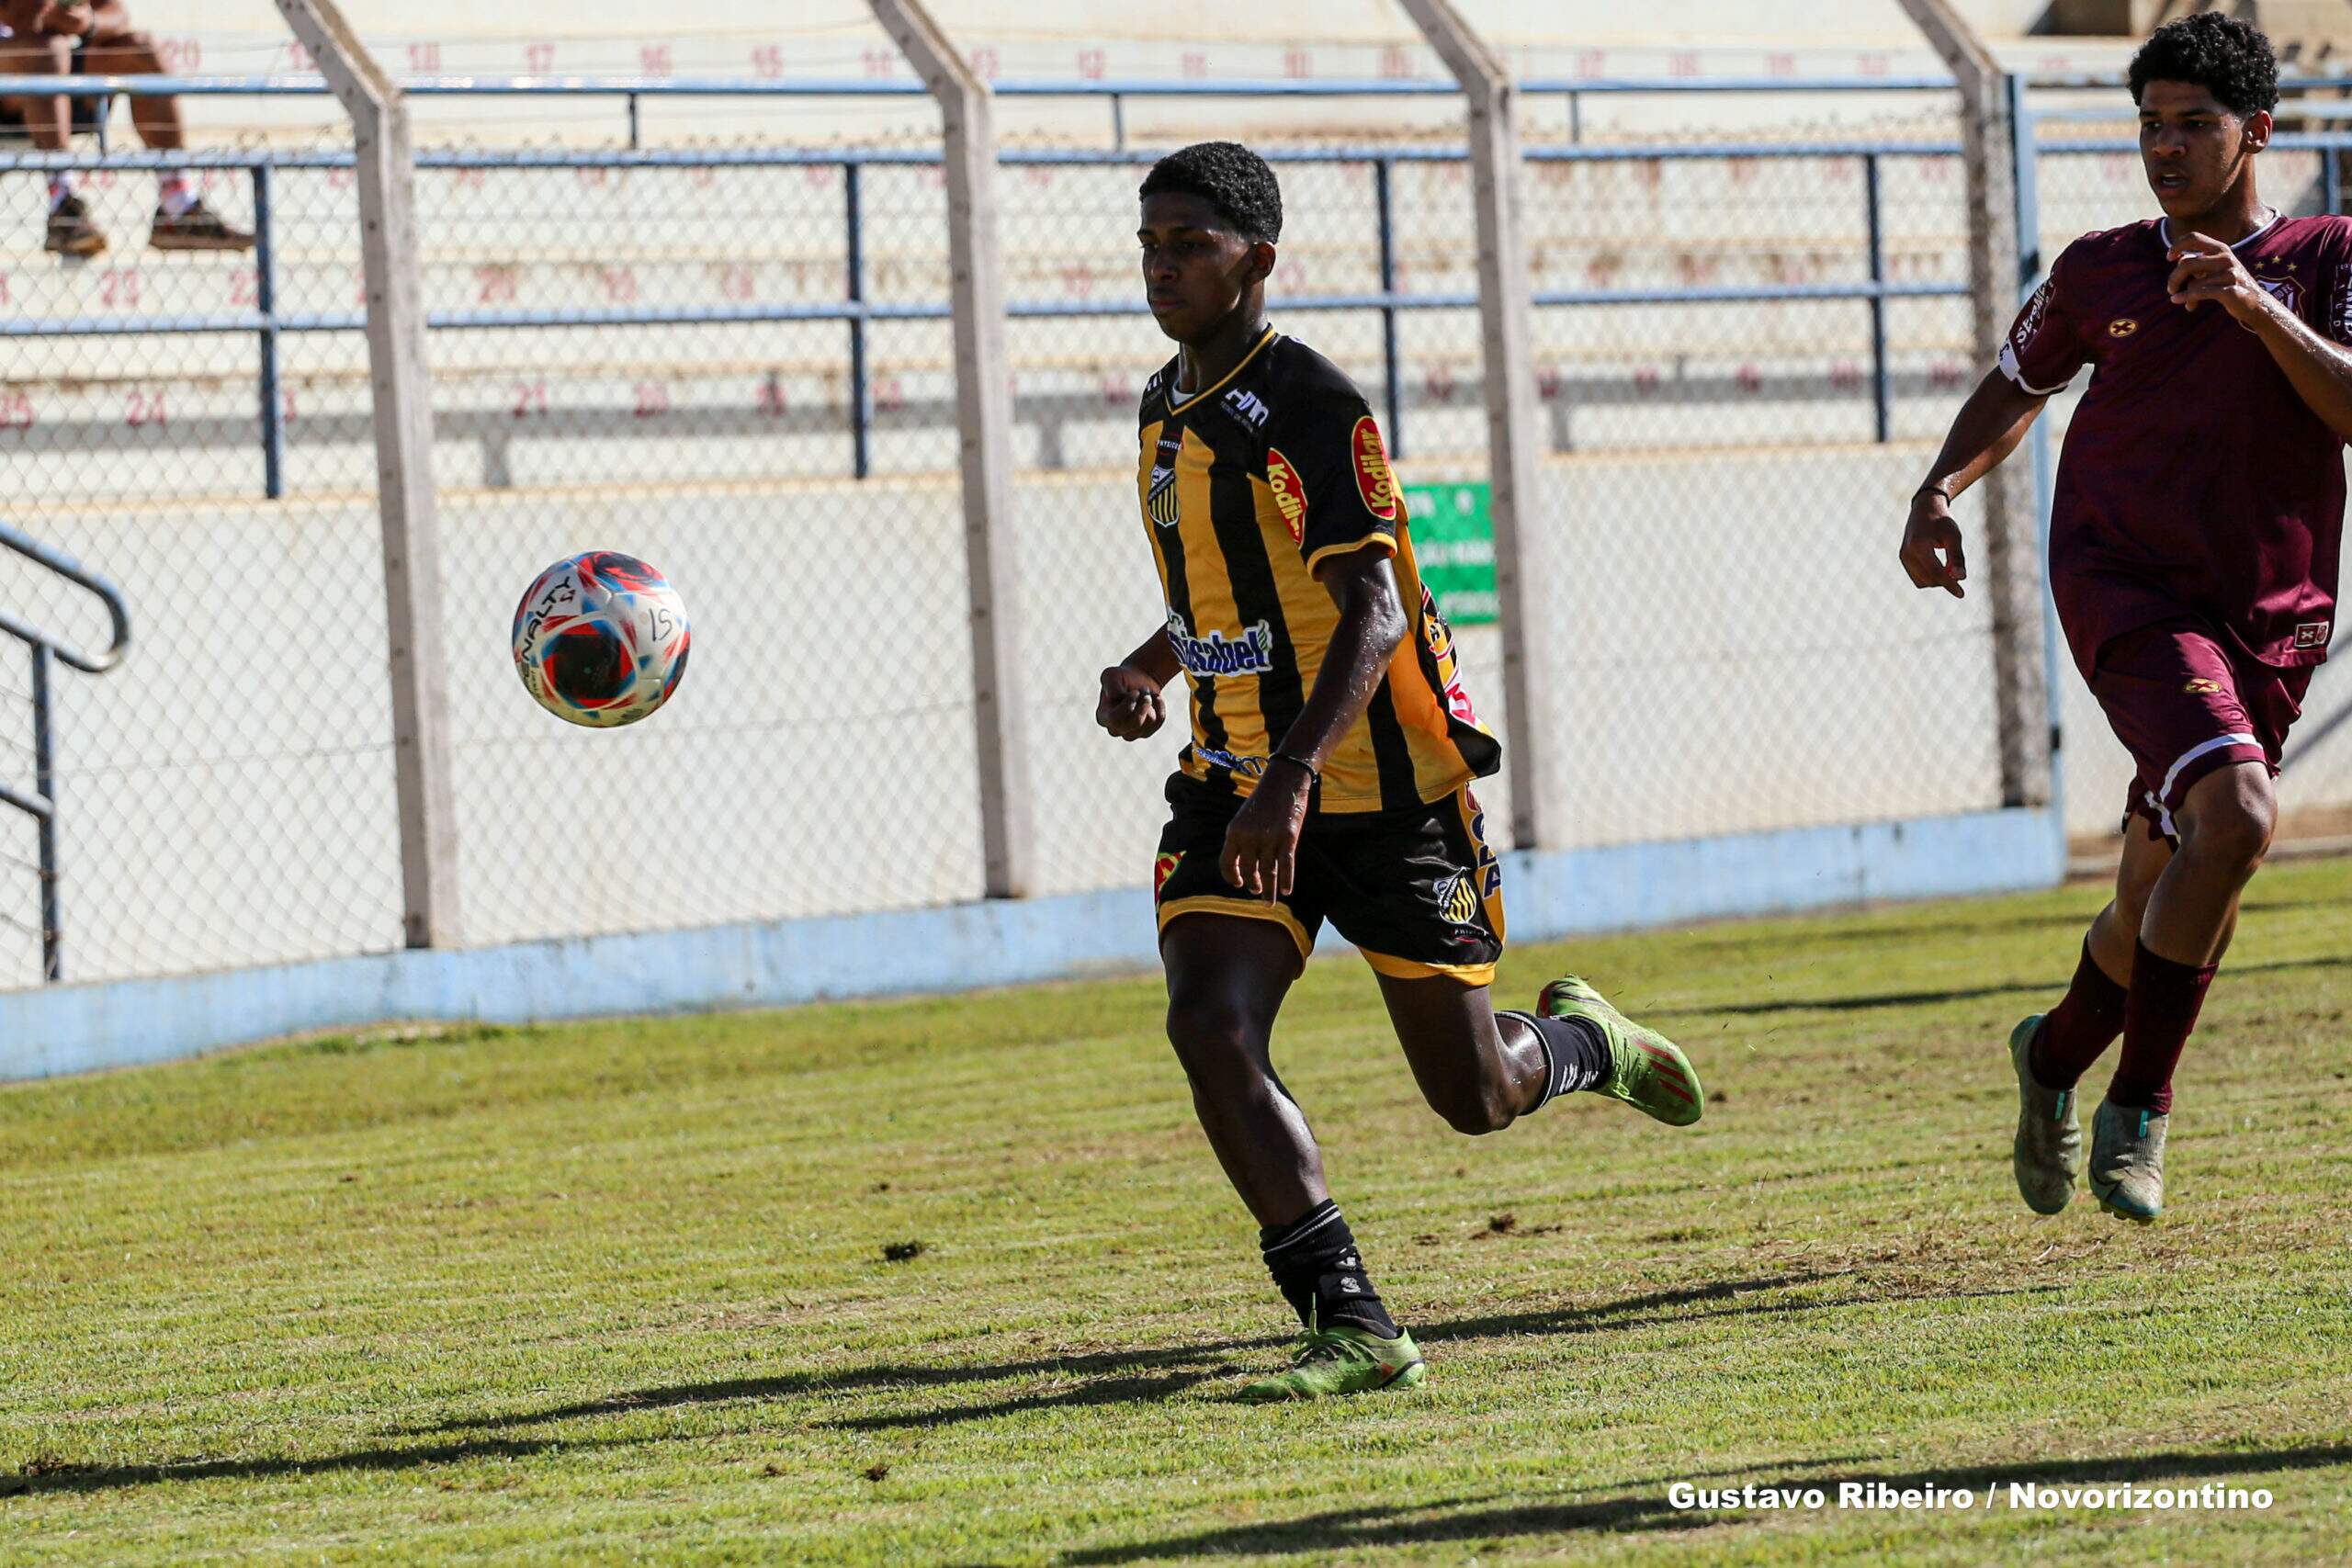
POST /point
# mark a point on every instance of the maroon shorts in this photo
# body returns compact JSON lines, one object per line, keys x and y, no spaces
{"x":2183,"y":707}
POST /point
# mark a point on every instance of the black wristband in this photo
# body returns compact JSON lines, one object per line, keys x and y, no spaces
{"x":1934,"y":487}
{"x":1314,"y":775}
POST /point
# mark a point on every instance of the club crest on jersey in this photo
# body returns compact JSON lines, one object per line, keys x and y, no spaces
{"x":1290,"y":496}
{"x":1159,"y":498}
{"x":2122,"y":326}
{"x":1164,"y":868}
{"x":1377,"y":485}
{"x":1251,"y":653}
{"x":2288,"y":291}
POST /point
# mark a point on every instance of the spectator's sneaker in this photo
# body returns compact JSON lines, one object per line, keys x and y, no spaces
{"x":198,"y":229}
{"x":2049,"y":1148}
{"x":1647,"y":1070}
{"x":71,"y":232}
{"x":2128,"y":1161}
{"x":1344,"y":1359}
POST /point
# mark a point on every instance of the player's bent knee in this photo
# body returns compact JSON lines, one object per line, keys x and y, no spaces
{"x":1475,"y":1109}
{"x":1212,"y":1036}
{"x":2234,"y":829}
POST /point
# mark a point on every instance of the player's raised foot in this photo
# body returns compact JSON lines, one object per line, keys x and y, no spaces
{"x":197,"y":227}
{"x":2048,"y":1152}
{"x":2128,"y":1161}
{"x":1339,"y":1359}
{"x":71,"y":232}
{"x":1647,"y":1070}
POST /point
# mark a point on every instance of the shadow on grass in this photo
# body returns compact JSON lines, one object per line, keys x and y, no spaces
{"x":1109,"y":1377}
{"x":1174,"y":1367}
{"x":2049,"y":989}
{"x":45,"y":1475}
{"x":1346,"y":1533}
{"x":1632,"y":1311}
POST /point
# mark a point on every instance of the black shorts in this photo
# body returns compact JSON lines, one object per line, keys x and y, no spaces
{"x":1417,"y":890}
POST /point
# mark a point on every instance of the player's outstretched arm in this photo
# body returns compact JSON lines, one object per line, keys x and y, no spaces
{"x":1262,"y":845}
{"x":1131,"y":705}
{"x":2205,"y":269}
{"x":1987,"y":429}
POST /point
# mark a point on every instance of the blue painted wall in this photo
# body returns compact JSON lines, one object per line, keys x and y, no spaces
{"x":69,"y":1029}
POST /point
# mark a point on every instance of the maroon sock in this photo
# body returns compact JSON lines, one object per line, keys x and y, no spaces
{"x":2158,"y":1019}
{"x":2079,"y":1028}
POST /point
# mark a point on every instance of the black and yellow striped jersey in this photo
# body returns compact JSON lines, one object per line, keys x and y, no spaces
{"x":1247,"y":486}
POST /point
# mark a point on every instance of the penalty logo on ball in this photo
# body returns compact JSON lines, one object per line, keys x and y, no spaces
{"x":601,"y":639}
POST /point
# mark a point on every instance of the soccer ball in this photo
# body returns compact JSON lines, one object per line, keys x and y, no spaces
{"x":601,"y":639}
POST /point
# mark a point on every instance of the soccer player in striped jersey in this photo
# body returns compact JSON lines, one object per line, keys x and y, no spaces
{"x":1329,"y":770}
{"x":2193,"y":545}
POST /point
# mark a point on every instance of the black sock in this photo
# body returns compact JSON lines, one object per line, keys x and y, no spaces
{"x":1315,"y":1266}
{"x":1574,"y":1051}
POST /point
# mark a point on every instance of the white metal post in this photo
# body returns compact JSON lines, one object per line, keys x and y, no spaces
{"x":2011,"y":554}
{"x":1534,"y":645}
{"x":406,"y":498}
{"x":983,"y":424}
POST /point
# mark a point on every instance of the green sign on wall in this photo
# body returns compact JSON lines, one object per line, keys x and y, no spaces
{"x":1454,"y":540}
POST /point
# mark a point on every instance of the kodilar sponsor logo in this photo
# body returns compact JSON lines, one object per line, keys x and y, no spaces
{"x":1290,"y":496}
{"x":1373,"y":479}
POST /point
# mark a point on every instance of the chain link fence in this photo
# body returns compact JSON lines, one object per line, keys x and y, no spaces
{"x":225,"y":797}
{"x":733,"y":360}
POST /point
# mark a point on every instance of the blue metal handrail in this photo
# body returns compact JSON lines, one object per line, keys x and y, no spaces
{"x":41,"y":804}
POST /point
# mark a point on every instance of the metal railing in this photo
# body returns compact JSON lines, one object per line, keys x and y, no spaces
{"x":41,"y":804}
{"x":854,"y":311}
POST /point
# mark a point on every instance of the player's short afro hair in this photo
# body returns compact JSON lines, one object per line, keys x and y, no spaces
{"x":2229,"y":58}
{"x":1229,"y":177}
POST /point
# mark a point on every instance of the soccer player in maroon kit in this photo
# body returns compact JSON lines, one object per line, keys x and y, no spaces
{"x":2193,"y":546}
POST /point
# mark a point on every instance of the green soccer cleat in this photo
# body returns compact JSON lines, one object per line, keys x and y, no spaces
{"x":2048,"y":1152}
{"x":2128,"y":1161}
{"x":1344,"y":1359}
{"x":1647,"y":1070}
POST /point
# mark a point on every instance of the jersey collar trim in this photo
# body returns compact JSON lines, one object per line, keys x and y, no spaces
{"x":2278,"y":216}
{"x":1175,"y":408}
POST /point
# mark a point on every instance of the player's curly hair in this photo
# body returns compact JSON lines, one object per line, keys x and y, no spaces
{"x":1229,"y":177}
{"x":2229,"y":58}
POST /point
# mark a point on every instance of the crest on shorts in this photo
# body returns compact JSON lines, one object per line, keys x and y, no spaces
{"x":1458,"y":899}
{"x":2313,"y":633}
{"x":2122,"y":326}
{"x":1164,"y":868}
{"x":2202,"y":686}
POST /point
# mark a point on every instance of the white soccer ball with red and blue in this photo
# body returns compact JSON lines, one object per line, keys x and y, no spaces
{"x":601,"y":639}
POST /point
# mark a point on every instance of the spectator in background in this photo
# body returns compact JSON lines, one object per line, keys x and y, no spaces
{"x":40,"y":37}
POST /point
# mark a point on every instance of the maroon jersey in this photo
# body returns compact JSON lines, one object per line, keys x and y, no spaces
{"x":2194,"y":478}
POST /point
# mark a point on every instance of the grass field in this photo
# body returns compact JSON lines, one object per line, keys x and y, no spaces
{"x":628,"y":1290}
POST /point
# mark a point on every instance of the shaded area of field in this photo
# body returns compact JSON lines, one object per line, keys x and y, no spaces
{"x":955,"y":1279}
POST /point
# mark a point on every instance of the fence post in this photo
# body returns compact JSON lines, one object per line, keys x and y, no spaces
{"x":414,"y":591}
{"x":2010,"y":553}
{"x":1533,"y":645}
{"x":984,"y":422}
